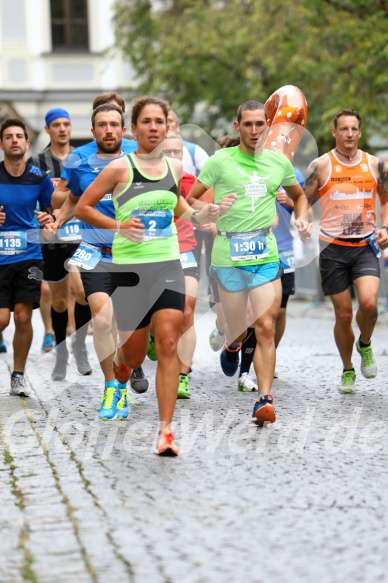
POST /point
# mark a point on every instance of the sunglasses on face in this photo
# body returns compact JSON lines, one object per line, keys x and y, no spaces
{"x":172,"y":151}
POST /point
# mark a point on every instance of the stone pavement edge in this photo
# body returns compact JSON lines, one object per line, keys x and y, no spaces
{"x":304,"y":500}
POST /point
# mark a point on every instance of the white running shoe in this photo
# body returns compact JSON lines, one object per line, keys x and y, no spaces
{"x":368,"y":364}
{"x":18,"y":386}
{"x":246,"y":384}
{"x":216,"y":339}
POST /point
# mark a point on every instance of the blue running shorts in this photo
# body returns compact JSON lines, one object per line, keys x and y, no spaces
{"x":235,"y":279}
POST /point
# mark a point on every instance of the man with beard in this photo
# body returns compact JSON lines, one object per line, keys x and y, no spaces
{"x":94,"y":255}
{"x":22,"y":186}
{"x":139,"y":384}
{"x":57,"y":251}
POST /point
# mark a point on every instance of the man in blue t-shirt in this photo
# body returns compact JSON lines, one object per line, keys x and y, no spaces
{"x":22,"y":186}
{"x":285,"y":242}
{"x":56,"y":252}
{"x":94,"y":255}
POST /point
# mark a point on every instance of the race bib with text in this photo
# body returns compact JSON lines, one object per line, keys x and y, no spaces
{"x":157,"y":223}
{"x":12,"y":242}
{"x":86,"y":256}
{"x":245,"y":246}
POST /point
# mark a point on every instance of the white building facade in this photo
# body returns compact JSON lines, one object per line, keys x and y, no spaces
{"x":57,"y":53}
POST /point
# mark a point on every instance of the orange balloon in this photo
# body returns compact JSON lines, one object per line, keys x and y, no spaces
{"x":287,"y":113}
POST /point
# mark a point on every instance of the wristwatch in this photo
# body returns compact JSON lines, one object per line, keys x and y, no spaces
{"x":385,"y":227}
{"x":193,"y":217}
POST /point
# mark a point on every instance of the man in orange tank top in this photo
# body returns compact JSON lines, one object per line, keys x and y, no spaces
{"x":347,"y":181}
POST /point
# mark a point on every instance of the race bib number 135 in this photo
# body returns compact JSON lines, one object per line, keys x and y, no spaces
{"x":12,"y":242}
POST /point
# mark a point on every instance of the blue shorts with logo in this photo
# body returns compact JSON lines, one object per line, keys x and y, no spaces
{"x":235,"y":279}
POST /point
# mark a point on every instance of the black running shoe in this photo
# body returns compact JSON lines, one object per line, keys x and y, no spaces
{"x":139,"y":383}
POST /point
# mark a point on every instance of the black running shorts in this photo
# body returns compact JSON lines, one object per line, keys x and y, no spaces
{"x":142,"y":290}
{"x":191,"y":272}
{"x":20,"y":282}
{"x":54,"y":257}
{"x":288,"y":287}
{"x":98,"y":280}
{"x":340,"y":266}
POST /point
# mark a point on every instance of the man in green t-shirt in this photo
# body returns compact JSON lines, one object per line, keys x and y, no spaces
{"x":245,"y":260}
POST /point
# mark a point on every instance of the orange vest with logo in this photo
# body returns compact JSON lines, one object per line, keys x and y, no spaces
{"x":348,"y":202}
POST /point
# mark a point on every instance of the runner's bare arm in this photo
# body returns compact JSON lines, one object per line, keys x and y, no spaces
{"x":44,"y":218}
{"x":67,"y":210}
{"x":382,"y":178}
{"x":65,"y":214}
{"x":60,"y":194}
{"x":301,"y":210}
{"x":112,"y":176}
{"x":299,"y":199}
{"x":283,"y":198}
{"x":382,"y":189}
{"x":196,"y":191}
{"x":311,"y":183}
{"x":208,"y":212}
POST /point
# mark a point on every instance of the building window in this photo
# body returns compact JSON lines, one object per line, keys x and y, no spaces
{"x":69,"y":24}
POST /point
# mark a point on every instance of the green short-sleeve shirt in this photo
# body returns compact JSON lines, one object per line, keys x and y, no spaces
{"x":255,"y":180}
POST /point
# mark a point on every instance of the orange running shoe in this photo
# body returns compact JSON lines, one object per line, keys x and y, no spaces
{"x":165,"y":444}
{"x":264,"y":410}
{"x":122,"y":372}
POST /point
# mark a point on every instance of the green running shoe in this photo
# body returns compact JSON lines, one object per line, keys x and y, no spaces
{"x":151,"y":352}
{"x":348,"y":380}
{"x":183,"y":387}
{"x":368,"y":365}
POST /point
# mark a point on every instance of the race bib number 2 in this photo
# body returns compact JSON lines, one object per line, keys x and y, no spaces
{"x":12,"y":242}
{"x":157,"y":223}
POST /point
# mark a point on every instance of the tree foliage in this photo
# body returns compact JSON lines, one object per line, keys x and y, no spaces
{"x":219,"y":53}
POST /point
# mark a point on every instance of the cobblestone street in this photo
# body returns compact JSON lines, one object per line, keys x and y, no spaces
{"x":304,"y":500}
